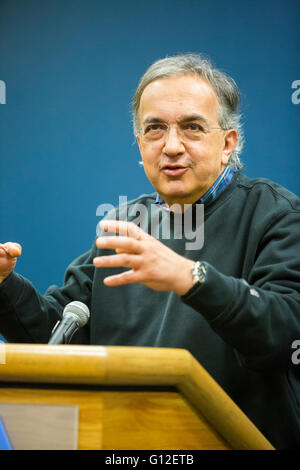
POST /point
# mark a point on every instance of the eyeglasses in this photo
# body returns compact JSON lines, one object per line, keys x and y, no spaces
{"x":187,"y":132}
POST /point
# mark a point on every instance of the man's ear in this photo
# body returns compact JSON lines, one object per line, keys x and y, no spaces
{"x":230,"y":142}
{"x":138,"y":139}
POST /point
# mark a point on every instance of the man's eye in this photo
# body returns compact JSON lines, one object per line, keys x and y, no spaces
{"x":153,"y":128}
{"x":195,"y":127}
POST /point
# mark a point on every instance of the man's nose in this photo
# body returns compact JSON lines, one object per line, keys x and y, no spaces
{"x":173,"y":143}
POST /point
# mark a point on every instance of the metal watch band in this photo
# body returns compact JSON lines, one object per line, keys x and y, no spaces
{"x":199,"y":272}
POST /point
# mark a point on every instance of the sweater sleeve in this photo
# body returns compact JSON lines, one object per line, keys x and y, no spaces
{"x":28,"y":317}
{"x":258,"y":316}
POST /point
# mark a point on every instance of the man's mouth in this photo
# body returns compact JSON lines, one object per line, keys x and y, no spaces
{"x":173,"y":170}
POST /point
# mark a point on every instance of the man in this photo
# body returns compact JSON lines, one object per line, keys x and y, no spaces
{"x":233,"y":302}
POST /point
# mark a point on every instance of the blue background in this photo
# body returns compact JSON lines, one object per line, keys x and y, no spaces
{"x":71,"y":68}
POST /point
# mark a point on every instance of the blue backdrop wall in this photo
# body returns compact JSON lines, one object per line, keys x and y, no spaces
{"x":71,"y":67}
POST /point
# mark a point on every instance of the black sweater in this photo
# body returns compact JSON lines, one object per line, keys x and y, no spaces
{"x":240,"y":324}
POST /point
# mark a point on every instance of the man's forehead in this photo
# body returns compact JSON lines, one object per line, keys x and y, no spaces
{"x":188,"y":93}
{"x":180,"y":84}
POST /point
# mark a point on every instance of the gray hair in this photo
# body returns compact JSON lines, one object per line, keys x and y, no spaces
{"x":225,"y":87}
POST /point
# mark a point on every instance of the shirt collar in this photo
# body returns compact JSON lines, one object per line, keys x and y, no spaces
{"x":219,"y":185}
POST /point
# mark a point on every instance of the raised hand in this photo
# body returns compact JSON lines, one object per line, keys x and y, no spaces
{"x":9,"y":253}
{"x":151,"y":262}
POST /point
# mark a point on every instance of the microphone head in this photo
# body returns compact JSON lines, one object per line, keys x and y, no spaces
{"x":78,"y":310}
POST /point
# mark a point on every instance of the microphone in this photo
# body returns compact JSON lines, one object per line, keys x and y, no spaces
{"x":75,"y":315}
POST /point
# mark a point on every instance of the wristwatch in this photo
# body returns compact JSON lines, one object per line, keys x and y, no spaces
{"x":199,"y":272}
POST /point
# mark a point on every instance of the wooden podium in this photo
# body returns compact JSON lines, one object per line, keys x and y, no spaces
{"x":125,"y":397}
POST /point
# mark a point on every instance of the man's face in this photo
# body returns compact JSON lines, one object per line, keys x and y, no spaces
{"x":182,"y":151}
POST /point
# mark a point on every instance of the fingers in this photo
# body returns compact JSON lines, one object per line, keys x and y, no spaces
{"x":128,"y":277}
{"x":122,"y":227}
{"x":128,"y":250}
{"x":120,"y":244}
{"x":124,"y":260}
{"x":14,"y":250}
{"x":120,"y":250}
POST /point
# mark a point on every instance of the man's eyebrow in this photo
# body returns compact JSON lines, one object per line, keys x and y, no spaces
{"x":182,"y":120}
{"x":152,"y":119}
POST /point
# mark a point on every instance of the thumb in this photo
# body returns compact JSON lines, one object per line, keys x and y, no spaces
{"x":12,"y":249}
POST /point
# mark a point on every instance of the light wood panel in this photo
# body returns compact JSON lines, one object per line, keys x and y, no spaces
{"x":155,"y":421}
{"x":140,"y":419}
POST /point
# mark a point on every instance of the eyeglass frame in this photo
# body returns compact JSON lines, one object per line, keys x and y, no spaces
{"x":157,"y":122}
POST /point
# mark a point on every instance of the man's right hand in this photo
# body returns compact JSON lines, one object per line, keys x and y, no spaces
{"x":9,"y":252}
